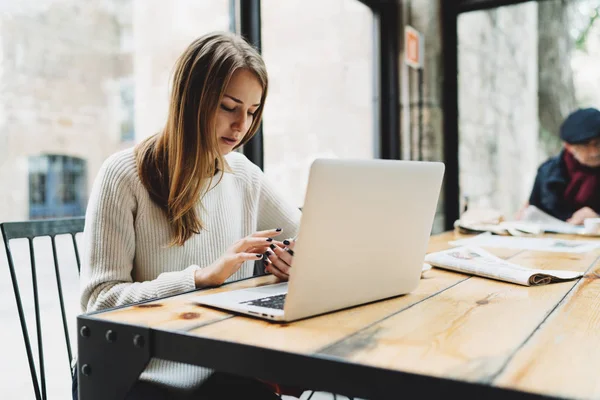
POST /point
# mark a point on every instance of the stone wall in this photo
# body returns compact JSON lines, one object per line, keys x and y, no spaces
{"x":59,"y":73}
{"x":498,"y":106}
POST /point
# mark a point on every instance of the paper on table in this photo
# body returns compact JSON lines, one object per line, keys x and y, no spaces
{"x":514,"y":228}
{"x":524,"y":243}
{"x":548,"y":223}
{"x":476,"y":261}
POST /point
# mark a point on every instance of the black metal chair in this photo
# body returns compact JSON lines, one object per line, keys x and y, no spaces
{"x":30,"y":230}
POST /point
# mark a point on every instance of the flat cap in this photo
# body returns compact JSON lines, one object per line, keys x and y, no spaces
{"x":581,"y":126}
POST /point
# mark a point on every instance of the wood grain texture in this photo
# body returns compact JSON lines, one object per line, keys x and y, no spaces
{"x":562,"y":358}
{"x":178,"y":312}
{"x":541,"y":339}
{"x":467,"y":332}
{"x":313,"y":334}
{"x":309,"y":335}
{"x":181,"y":312}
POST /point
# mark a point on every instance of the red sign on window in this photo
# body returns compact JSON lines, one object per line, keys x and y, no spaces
{"x":413,"y":47}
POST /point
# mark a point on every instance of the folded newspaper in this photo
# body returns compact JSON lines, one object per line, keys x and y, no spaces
{"x":476,"y":261}
{"x":548,"y":223}
{"x":488,"y":220}
{"x":533,"y":222}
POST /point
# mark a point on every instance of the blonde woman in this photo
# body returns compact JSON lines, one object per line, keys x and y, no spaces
{"x":183,"y":210}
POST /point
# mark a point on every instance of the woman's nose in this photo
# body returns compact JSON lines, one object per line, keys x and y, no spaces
{"x":241,"y":121}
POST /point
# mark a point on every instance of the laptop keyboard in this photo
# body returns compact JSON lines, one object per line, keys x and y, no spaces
{"x":268,"y":302}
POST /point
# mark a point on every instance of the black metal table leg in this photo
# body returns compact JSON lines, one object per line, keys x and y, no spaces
{"x":112,"y":353}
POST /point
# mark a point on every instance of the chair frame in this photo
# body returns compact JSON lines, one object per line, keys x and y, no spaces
{"x":30,"y":230}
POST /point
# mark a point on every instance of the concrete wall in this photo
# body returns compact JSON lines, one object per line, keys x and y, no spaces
{"x":498,"y":115}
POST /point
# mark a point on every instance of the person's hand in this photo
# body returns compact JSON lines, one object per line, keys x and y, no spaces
{"x":279,"y":259}
{"x":250,"y":248}
{"x":580,"y":215}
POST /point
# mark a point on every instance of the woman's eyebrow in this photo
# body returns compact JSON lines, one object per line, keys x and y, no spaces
{"x":239,"y":101}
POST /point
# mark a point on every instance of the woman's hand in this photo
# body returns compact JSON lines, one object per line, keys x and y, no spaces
{"x":250,"y":248}
{"x":279,"y":258}
{"x":580,"y":215}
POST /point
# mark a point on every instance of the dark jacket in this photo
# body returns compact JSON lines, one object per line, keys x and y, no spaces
{"x":549,"y":187}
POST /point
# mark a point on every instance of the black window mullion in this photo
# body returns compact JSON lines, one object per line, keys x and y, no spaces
{"x":450,"y":110}
{"x":251,"y":30}
{"x":388,"y":13}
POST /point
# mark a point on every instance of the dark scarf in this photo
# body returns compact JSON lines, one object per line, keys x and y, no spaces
{"x":584,"y":183}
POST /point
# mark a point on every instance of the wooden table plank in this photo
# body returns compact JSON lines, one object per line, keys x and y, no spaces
{"x":181,"y":313}
{"x":467,"y":332}
{"x":178,"y":312}
{"x":563,"y":357}
{"x":451,"y":326}
{"x":311,"y":335}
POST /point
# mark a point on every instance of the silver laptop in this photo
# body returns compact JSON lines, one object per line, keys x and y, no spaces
{"x":363,"y":236}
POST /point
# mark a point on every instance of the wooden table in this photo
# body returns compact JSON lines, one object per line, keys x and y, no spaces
{"x":454,"y":335}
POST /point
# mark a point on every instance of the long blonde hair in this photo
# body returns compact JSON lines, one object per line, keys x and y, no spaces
{"x":177,"y":165}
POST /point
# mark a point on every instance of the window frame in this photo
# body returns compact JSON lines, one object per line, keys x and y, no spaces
{"x":387,"y":87}
{"x":450,"y":10}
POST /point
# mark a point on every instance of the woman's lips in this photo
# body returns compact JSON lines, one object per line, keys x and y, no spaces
{"x":229,"y":140}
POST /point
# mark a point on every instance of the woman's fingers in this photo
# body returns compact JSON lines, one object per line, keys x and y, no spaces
{"x":267,"y":233}
{"x":241,"y":257}
{"x":289,"y":245}
{"x":281,"y":259}
{"x":254,"y":244}
{"x":271,"y":269}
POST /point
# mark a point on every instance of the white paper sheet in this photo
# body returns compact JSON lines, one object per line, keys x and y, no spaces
{"x":548,"y":223}
{"x":524,"y":243}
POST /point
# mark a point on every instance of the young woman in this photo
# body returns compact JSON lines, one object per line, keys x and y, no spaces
{"x":183,"y":210}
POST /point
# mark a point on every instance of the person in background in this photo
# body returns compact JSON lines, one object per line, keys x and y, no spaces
{"x":183,"y":210}
{"x":567,"y":186}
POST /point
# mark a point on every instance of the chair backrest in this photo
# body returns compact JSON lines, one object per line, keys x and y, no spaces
{"x":30,"y":230}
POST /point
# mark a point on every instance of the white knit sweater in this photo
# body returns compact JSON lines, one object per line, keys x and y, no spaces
{"x":126,"y":257}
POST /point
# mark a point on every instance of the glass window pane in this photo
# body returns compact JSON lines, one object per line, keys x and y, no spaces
{"x":80,"y":80}
{"x":319,"y":55}
{"x":86,"y":79}
{"x":523,"y":69}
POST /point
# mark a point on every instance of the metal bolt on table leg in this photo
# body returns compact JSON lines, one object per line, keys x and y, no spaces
{"x":85,"y":331}
{"x":111,"y":335}
{"x":86,"y":370}
{"x":138,"y":341}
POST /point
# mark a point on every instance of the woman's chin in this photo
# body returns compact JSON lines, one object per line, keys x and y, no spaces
{"x":224,"y":149}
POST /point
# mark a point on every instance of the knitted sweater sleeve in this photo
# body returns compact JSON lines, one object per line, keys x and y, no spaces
{"x":109,"y":245}
{"x":276,"y":211}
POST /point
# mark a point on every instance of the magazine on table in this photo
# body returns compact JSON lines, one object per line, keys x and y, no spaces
{"x":476,"y":261}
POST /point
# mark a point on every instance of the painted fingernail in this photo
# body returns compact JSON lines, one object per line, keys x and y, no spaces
{"x":269,"y":239}
{"x":272,"y":246}
{"x":290,"y":251}
{"x":286,"y":242}
{"x":266,"y":263}
{"x":259,"y":255}
{"x":278,"y":229}
{"x":268,"y":253}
